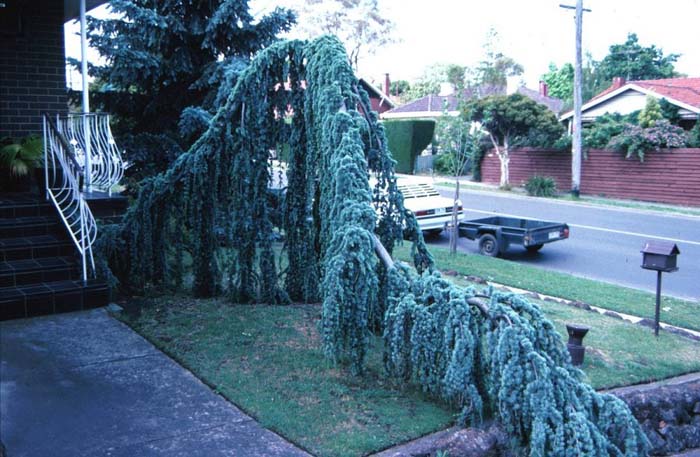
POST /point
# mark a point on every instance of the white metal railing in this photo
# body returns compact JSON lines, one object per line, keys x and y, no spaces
{"x":63,"y":178}
{"x":95,"y":149}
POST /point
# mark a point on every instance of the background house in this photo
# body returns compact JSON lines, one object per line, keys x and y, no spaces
{"x":433,"y":106}
{"x":381,"y":101}
{"x":625,"y":97}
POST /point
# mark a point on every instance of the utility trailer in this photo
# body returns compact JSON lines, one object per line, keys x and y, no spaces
{"x":496,"y":233}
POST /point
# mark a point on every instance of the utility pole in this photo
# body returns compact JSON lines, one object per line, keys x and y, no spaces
{"x":578,"y":83}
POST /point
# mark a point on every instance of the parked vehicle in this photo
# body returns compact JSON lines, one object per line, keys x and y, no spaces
{"x":496,"y":233}
{"x":432,"y":210}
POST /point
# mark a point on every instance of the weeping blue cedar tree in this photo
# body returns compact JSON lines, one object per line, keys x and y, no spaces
{"x":330,"y":134}
{"x":508,"y":361}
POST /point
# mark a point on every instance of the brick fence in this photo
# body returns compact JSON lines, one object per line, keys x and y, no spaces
{"x":669,"y":176}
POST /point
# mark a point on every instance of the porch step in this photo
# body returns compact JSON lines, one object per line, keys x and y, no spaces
{"x":32,"y":271}
{"x":51,"y":297}
{"x":35,"y":247}
{"x":24,"y":205}
{"x":30,"y":226}
{"x":40,"y":271}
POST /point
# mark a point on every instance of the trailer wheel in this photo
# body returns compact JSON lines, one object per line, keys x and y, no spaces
{"x":488,"y":245}
{"x":534,"y":248}
{"x":433,"y":232}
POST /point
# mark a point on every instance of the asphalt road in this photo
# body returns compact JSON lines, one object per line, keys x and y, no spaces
{"x":604,"y":243}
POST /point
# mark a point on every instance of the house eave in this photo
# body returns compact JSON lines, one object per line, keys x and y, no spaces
{"x":417,"y":115}
{"x":625,"y":88}
{"x":71,"y":8}
{"x":383,"y":98}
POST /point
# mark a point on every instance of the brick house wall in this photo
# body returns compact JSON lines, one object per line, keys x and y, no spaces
{"x":669,"y":176}
{"x":32,"y":66}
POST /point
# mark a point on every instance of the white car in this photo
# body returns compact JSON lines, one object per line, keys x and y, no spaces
{"x":432,"y":210}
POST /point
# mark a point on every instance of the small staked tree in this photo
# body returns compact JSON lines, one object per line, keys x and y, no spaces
{"x":459,"y":140}
{"x":510,"y":119}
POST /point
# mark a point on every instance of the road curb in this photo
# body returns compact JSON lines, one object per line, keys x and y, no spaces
{"x":569,"y":203}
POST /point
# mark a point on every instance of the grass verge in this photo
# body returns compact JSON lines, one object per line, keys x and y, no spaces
{"x":675,"y":311}
{"x":268,"y":361}
{"x":619,"y":353}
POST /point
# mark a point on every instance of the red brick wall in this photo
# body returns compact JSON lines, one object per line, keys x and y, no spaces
{"x":669,"y":176}
{"x":32,"y":66}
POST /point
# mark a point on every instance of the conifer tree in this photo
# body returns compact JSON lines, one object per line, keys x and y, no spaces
{"x":163,"y":56}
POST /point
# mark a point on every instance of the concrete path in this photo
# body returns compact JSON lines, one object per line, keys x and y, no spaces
{"x":84,"y":384}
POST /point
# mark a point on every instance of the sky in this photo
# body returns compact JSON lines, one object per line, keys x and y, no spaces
{"x":533,"y":32}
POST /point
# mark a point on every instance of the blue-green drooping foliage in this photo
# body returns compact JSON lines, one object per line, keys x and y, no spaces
{"x":303,"y":101}
{"x":505,"y":358}
{"x":212,"y":205}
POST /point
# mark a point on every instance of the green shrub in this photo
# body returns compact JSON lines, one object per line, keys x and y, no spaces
{"x":694,"y":136}
{"x":441,"y":164}
{"x":598,"y":134}
{"x":651,"y":112}
{"x":541,"y":186}
{"x":406,"y":139}
{"x":635,"y":140}
{"x":670,"y":111}
{"x":478,"y":157}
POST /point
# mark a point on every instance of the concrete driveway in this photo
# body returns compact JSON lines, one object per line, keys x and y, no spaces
{"x":84,"y":384}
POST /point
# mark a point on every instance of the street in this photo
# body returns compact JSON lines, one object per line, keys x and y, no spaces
{"x":604,"y":244}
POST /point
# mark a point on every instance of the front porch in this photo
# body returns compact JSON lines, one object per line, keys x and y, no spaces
{"x":46,"y":235}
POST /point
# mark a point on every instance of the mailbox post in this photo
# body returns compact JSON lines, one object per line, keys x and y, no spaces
{"x":661,"y":257}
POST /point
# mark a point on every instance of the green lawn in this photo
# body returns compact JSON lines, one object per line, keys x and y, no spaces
{"x":678,"y":312}
{"x":620,"y":353}
{"x":267,"y":360}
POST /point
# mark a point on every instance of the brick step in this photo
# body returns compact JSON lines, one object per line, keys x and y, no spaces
{"x":24,"y":205}
{"x":51,"y":297}
{"x":32,"y":271}
{"x":35,"y":247}
{"x":30,"y":226}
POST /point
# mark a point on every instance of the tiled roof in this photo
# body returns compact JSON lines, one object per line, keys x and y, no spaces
{"x":554,"y":104}
{"x":436,"y":103}
{"x":685,"y":90}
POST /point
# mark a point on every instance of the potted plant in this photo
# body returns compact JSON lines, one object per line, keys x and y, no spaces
{"x":17,"y":161}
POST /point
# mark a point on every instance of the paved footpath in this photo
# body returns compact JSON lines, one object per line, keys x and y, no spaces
{"x":84,"y":384}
